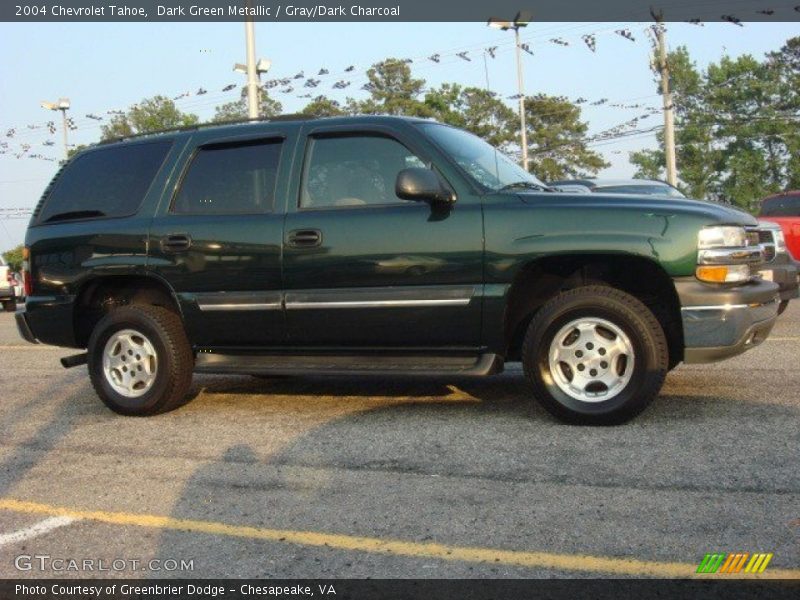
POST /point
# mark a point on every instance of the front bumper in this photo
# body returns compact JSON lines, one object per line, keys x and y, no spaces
{"x":23,"y":327}
{"x":720,"y":322}
{"x":6,"y":293}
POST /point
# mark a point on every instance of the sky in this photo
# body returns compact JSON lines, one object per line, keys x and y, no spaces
{"x":103,"y":66}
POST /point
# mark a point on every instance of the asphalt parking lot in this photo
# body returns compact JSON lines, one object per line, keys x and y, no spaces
{"x":320,"y":477}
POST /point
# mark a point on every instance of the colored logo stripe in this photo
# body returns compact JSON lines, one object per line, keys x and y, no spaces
{"x":718,"y":562}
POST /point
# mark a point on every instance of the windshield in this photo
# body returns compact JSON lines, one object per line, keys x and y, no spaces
{"x":654,"y":189}
{"x":483,"y":162}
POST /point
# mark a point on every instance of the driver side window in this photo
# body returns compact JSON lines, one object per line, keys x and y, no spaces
{"x":353,"y":170}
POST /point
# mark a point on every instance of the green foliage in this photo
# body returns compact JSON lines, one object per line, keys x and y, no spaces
{"x":557,"y":139}
{"x":322,"y":106}
{"x":151,"y":114}
{"x":13,"y":258}
{"x":475,"y":110}
{"x":73,"y":151}
{"x":237,"y":110}
{"x":394,"y":91}
{"x":554,"y":124}
{"x":736,"y":133}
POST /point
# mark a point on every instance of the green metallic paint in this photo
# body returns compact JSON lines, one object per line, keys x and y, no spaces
{"x":482,"y":240}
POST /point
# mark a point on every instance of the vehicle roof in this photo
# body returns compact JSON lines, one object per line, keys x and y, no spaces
{"x":238,"y":126}
{"x":782,"y":194}
{"x":594,"y":182}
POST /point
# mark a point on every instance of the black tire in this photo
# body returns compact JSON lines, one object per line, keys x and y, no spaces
{"x":633,"y":318}
{"x":9,"y":305}
{"x":175,"y":361}
{"x":782,"y":306}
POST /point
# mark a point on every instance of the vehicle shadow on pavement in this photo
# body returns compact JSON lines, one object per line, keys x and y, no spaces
{"x":455,"y":469}
{"x":26,"y":448}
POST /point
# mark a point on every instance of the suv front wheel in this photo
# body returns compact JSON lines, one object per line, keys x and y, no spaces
{"x":595,"y":355}
{"x":140,"y":361}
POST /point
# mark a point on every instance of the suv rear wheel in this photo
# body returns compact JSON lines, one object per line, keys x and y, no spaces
{"x":595,"y":355}
{"x":140,"y":361}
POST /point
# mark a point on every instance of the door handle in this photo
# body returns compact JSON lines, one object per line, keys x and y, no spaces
{"x":305,"y":238}
{"x":176,"y":242}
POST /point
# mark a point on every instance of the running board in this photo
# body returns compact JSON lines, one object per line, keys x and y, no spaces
{"x":276,"y":364}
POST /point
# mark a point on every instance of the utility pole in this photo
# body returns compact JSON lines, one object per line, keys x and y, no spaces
{"x":669,"y":114}
{"x":253,"y":68}
{"x":62,"y":105}
{"x":521,"y":86}
{"x":252,"y":74}
{"x":521,"y":20}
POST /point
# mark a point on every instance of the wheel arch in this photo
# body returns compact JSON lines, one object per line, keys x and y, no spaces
{"x":539,"y":280}
{"x":102,"y":293}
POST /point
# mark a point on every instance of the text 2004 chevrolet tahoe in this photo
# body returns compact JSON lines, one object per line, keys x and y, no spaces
{"x":376,"y":245}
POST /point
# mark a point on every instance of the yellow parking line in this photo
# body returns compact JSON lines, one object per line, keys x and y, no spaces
{"x":516,"y":558}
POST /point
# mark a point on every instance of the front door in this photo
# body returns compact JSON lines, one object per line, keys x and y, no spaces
{"x":363,"y":268}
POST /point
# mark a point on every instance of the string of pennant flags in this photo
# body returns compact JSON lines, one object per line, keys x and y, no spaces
{"x":307,"y":86}
{"x":300,"y":83}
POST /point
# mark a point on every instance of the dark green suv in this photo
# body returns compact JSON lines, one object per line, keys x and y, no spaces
{"x":376,"y":245}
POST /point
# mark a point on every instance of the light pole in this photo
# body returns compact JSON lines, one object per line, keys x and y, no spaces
{"x":521,"y":20}
{"x":63,"y":106}
{"x":669,"y":114}
{"x":253,"y":69}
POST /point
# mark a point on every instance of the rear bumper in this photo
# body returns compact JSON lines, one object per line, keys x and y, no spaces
{"x":6,"y":293}
{"x":50,"y":319}
{"x":721,"y":322}
{"x":23,"y":327}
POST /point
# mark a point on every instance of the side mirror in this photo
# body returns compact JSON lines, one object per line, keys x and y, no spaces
{"x":422,"y":185}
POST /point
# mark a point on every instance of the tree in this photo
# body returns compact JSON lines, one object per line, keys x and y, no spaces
{"x":474,"y":109}
{"x":393,"y":91}
{"x":151,"y":114}
{"x":557,"y":139}
{"x":735,"y":126}
{"x":13,"y":258}
{"x":321,"y":106}
{"x":237,"y":110}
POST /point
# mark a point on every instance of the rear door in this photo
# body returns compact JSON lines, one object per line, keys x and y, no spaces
{"x":217,"y":237}
{"x":363,"y":268}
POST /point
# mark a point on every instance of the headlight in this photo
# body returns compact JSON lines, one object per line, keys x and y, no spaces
{"x":780,"y":240}
{"x":724,"y":254}
{"x":722,"y":236}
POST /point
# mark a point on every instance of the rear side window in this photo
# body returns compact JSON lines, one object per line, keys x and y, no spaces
{"x":230,"y":179}
{"x":110,"y":182}
{"x":781,"y":206}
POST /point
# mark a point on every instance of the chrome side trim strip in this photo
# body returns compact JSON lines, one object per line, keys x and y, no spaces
{"x":377,"y":303}
{"x":715,"y":307}
{"x":380,"y":297}
{"x":251,"y":306}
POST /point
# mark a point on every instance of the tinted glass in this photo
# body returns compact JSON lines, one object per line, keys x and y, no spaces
{"x":482,"y":161}
{"x":230,"y":179}
{"x":782,"y":206}
{"x":354,"y":171}
{"x":110,"y":182}
{"x":650,"y":189}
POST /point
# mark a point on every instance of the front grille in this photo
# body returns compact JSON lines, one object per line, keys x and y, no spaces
{"x":765,"y":239}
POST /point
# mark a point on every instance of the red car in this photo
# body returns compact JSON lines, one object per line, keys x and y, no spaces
{"x":784,"y":209}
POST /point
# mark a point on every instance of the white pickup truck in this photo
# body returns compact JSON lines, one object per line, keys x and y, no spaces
{"x":7,"y":287}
